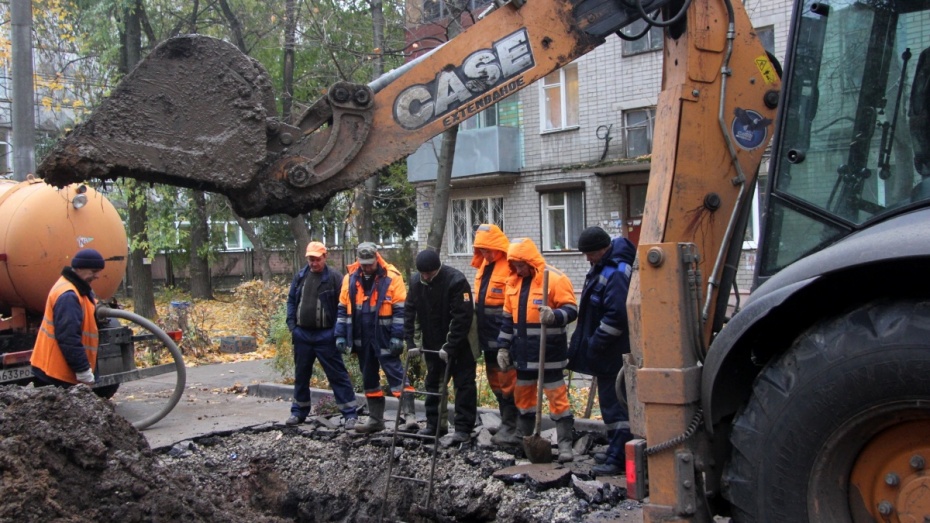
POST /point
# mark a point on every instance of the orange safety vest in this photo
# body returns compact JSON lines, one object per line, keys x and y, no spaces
{"x":46,"y":355}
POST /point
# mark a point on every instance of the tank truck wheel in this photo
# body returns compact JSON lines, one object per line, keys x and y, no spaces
{"x":836,"y":428}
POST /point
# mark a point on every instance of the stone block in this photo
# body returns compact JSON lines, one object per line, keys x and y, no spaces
{"x":238,"y":344}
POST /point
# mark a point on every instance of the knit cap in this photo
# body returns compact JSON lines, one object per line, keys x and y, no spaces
{"x":87,"y":259}
{"x":593,"y":239}
{"x":428,"y":261}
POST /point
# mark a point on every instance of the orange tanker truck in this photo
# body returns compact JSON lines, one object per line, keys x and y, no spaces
{"x":41,"y":228}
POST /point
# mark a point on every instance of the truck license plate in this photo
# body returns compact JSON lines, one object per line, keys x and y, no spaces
{"x":16,"y":373}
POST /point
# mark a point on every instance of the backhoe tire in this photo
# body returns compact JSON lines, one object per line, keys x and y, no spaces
{"x":814,"y":411}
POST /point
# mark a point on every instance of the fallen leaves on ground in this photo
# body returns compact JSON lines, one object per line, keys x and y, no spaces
{"x":204,"y":324}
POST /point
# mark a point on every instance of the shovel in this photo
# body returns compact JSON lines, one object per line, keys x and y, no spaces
{"x":537,"y":448}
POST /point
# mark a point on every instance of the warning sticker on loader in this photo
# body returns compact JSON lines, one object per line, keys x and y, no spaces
{"x":749,"y":128}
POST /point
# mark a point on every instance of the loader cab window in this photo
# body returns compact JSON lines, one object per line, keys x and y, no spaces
{"x":854,"y":126}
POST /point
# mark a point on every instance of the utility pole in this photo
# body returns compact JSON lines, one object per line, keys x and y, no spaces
{"x":24,"y":123}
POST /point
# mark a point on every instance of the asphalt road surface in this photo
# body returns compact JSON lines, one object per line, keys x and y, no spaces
{"x":216,"y":399}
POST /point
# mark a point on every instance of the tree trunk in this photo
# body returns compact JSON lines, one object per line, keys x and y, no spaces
{"x":296,"y":223}
{"x":290,"y":28}
{"x":301,"y":238}
{"x":201,"y":287}
{"x":365,"y":193}
{"x":143,"y":293}
{"x":24,"y":124}
{"x":235,"y":30}
{"x":437,"y":226}
{"x":257,"y":245}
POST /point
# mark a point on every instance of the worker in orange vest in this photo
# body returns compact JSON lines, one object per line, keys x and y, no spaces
{"x":65,"y":352}
{"x":525,"y":311}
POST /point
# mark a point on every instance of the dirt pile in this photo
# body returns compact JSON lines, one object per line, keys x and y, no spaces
{"x":66,"y":456}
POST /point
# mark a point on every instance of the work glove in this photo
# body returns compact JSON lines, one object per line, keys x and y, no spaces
{"x":546,"y":315}
{"x":414,"y":353}
{"x":341,"y":346}
{"x":444,"y":354}
{"x":397,"y":346}
{"x":503,"y":359}
{"x":86,"y":376}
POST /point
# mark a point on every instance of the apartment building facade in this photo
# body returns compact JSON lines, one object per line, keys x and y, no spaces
{"x":568,"y":152}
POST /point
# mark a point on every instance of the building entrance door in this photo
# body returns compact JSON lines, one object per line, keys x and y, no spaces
{"x":635,"y":203}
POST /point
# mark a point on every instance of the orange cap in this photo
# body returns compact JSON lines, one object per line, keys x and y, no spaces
{"x":316,"y":249}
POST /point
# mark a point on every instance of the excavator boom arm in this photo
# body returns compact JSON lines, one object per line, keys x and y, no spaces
{"x":198,"y":113}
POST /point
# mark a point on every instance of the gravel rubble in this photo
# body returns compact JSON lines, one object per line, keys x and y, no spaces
{"x":66,"y":456}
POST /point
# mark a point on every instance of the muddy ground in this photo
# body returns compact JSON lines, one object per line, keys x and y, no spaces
{"x":66,"y":456}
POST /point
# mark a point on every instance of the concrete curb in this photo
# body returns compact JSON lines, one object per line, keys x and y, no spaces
{"x":286,"y":393}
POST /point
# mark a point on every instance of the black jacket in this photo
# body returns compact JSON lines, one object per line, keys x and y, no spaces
{"x":602,"y":335}
{"x":444,"y":310}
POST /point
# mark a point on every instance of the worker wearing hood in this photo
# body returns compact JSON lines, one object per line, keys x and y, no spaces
{"x":525,"y":309}
{"x":490,"y":259}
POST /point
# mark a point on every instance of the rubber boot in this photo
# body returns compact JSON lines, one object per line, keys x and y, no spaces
{"x":507,"y":433}
{"x":407,"y":415}
{"x":563,"y":430}
{"x":525,"y":426}
{"x":375,"y":417}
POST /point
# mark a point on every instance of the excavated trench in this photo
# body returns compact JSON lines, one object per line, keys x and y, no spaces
{"x":66,"y":456}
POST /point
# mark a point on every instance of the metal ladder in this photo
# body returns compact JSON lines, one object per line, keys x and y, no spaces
{"x":443,"y":391}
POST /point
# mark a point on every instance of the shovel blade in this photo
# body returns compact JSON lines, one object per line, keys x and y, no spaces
{"x":537,"y":449}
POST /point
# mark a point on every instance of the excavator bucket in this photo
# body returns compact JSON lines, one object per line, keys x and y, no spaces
{"x":192,"y":114}
{"x":198,"y":113}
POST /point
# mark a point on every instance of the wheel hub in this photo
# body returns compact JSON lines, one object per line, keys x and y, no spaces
{"x":890,"y":480}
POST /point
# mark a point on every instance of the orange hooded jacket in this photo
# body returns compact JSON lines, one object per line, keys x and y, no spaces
{"x":520,"y":331}
{"x":490,"y":283}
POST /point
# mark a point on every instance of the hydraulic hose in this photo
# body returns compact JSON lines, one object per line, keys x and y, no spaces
{"x":106,"y":312}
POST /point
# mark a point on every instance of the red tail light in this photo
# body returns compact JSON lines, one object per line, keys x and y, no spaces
{"x":15,"y":358}
{"x":635,"y":452}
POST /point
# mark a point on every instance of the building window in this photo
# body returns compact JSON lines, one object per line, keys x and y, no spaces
{"x":486,"y":118}
{"x":751,"y":235}
{"x":6,"y":153}
{"x":434,"y":10}
{"x":562,"y":219}
{"x":637,"y":128}
{"x":559,"y":99}
{"x":467,"y":215}
{"x":650,"y":41}
{"x":766,"y":35}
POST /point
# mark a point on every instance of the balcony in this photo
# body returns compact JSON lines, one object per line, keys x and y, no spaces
{"x":488,"y":150}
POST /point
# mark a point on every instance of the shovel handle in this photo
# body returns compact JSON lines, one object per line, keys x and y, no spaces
{"x":542,"y":355}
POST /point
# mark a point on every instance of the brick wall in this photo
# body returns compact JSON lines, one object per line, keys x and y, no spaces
{"x":608,"y":84}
